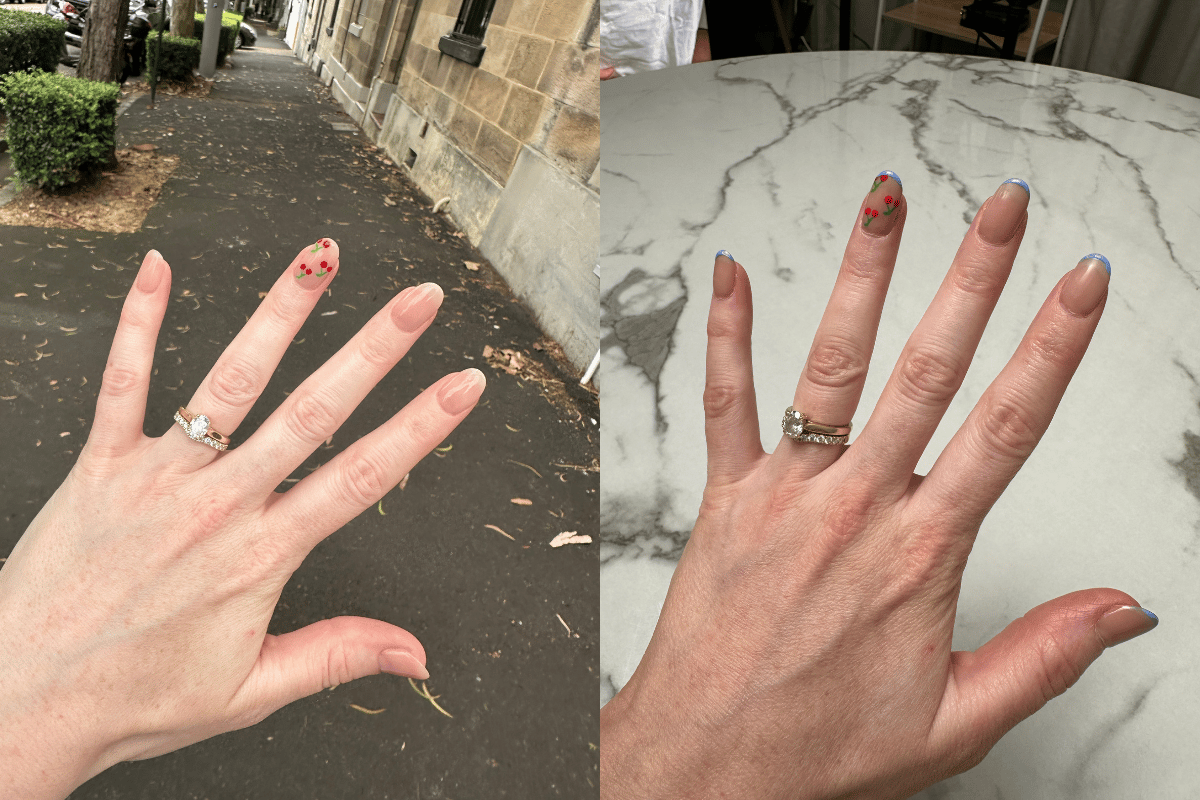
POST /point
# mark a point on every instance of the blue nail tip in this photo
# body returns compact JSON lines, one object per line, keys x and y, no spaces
{"x":1018,"y":182}
{"x":727,"y":254}
{"x":893,"y":176}
{"x":1101,"y":259}
{"x":1150,"y":614}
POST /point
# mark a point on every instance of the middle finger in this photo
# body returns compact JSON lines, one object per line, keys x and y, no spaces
{"x":241,"y":373}
{"x":935,"y":359}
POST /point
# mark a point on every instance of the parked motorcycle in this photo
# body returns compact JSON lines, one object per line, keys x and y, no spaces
{"x":137,"y":28}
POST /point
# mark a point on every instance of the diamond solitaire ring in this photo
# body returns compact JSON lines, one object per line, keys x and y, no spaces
{"x":802,"y":429}
{"x":197,"y":429}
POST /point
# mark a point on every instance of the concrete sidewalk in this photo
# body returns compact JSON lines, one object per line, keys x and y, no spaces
{"x":268,"y":165}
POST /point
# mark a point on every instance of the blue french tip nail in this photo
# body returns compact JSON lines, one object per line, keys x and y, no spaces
{"x":727,"y":254}
{"x":1101,"y":259}
{"x":891,"y":175}
{"x":1150,"y":614}
{"x":1018,"y":182}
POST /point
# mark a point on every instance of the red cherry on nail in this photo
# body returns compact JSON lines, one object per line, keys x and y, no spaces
{"x":324,"y":264}
{"x":308,"y":272}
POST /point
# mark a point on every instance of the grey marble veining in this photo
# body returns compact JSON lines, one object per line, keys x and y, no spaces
{"x":769,"y":159}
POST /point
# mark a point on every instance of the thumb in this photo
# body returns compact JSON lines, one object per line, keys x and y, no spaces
{"x":1037,"y":658}
{"x":325,"y":654}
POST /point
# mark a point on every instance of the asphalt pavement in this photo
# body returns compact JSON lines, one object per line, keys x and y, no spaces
{"x":269,"y":164}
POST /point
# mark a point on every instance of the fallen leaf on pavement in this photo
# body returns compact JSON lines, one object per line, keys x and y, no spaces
{"x":570,"y":537}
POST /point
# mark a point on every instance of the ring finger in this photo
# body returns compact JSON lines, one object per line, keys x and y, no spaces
{"x":241,"y":373}
{"x":832,"y":380}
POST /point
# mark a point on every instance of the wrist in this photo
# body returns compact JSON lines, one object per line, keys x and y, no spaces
{"x":48,"y":744}
{"x":638,"y":757}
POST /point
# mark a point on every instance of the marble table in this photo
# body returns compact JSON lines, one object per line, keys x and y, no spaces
{"x":769,"y":158}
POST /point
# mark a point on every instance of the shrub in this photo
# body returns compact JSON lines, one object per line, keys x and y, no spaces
{"x":58,"y":127}
{"x":179,"y":57}
{"x":230,"y":25}
{"x":29,"y":40}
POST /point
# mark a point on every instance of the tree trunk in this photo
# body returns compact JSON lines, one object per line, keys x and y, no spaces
{"x":102,"y":56}
{"x":183,"y":17}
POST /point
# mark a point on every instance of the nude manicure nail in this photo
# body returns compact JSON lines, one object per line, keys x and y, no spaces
{"x":1004,"y":212}
{"x":403,"y":663}
{"x":313,"y":269}
{"x":417,"y":306}
{"x":1086,"y":285}
{"x":724,"y":274}
{"x":151,"y":273}
{"x":879,"y":214}
{"x":462,"y":391}
{"x":1124,"y":624}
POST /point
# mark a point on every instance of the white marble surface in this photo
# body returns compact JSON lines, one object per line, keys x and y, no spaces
{"x":769,"y":159}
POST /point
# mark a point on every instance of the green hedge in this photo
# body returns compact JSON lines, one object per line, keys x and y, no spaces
{"x":29,"y":40}
{"x":179,"y":56}
{"x":230,"y":25}
{"x":59,"y":128}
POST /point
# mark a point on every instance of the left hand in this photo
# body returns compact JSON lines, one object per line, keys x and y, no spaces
{"x":134,"y":610}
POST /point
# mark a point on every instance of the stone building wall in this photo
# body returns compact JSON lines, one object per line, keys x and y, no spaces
{"x":513,"y":143}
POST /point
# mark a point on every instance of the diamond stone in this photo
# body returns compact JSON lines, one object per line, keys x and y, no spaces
{"x":198,"y":427}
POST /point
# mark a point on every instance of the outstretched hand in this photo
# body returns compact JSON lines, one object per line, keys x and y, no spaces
{"x":134,"y":610}
{"x":804,"y":647}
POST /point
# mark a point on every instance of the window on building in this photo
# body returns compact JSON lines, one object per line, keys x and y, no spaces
{"x":466,"y":41}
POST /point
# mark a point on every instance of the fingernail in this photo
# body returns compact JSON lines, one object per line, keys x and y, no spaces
{"x":416,"y":306}
{"x":403,"y":663}
{"x":462,"y":391}
{"x":724,"y":274}
{"x":882,"y":203}
{"x":1086,"y":285}
{"x":313,"y":269}
{"x":1020,"y":183}
{"x":1004,"y":212}
{"x":151,"y":274}
{"x":1124,"y":624}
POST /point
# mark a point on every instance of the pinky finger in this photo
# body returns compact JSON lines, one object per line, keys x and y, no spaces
{"x":361,"y":475}
{"x":121,"y":405}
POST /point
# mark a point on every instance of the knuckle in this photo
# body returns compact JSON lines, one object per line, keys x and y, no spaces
{"x":364,"y":479}
{"x":928,"y":377}
{"x":835,"y":364}
{"x":120,"y":380}
{"x":722,"y":326}
{"x":1057,"y":669}
{"x":426,"y":428}
{"x":1050,"y":345}
{"x":235,"y":381}
{"x":208,"y":517}
{"x":1009,"y":428}
{"x":339,"y":664}
{"x":377,"y":351}
{"x":978,"y":278}
{"x":848,"y":515}
{"x":721,"y":400}
{"x":311,"y":416}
